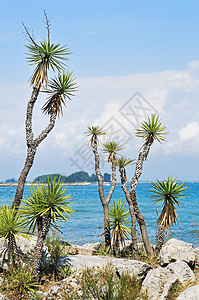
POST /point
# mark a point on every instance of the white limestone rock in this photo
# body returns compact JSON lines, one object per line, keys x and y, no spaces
{"x":159,"y":281}
{"x":191,"y":293}
{"x":78,"y":262}
{"x":196,"y":250}
{"x":175,"y":250}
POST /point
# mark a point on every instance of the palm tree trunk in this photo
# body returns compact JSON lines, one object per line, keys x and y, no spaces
{"x":39,"y":245}
{"x":101,"y":194}
{"x":132,"y":213}
{"x":22,"y":178}
{"x":132,"y":191}
{"x":160,"y":238}
{"x":32,"y":145}
{"x":13,"y":254}
{"x":116,"y":246}
{"x":106,"y":226}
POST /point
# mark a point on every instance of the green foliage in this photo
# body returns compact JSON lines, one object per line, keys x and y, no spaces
{"x":64,"y":272}
{"x":168,"y":192}
{"x":172,"y":292}
{"x":18,"y":282}
{"x":55,"y":202}
{"x":112,"y":148}
{"x":118,"y":217}
{"x":50,"y":200}
{"x":151,"y":130}
{"x":94,"y":132}
{"x":11,"y":223}
{"x":44,"y":178}
{"x":106,"y":285}
{"x":124,"y":161}
{"x":31,"y":210}
{"x":93,"y":178}
{"x":44,"y":55}
{"x":60,"y":88}
{"x":55,"y":246}
{"x":56,"y":249}
{"x":106,"y":177}
{"x":80,"y":176}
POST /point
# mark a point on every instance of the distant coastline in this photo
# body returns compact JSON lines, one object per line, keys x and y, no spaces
{"x":30,"y":184}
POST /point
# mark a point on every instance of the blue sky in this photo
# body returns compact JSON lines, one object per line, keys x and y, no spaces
{"x":119,"y":48}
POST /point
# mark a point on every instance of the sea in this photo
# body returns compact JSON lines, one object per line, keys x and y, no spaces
{"x":85,"y":225}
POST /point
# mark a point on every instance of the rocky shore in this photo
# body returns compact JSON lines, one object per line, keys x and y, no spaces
{"x":178,"y":263}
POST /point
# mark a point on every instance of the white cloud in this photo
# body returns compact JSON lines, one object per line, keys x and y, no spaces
{"x":190,"y":131}
{"x":174,"y":94}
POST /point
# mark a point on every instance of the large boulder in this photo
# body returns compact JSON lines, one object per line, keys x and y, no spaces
{"x":159,"y":281}
{"x":78,"y":262}
{"x":175,"y":250}
{"x":191,"y":293}
{"x":196,"y":250}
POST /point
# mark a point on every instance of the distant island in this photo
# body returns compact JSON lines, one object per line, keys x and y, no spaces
{"x":80,"y":176}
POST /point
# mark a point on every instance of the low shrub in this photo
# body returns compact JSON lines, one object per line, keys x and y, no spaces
{"x":18,"y":282}
{"x":107,"y":284}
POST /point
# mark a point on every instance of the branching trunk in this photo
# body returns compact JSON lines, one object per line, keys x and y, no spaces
{"x":105,"y":201}
{"x":43,"y":229}
{"x":132,"y":213}
{"x":32,"y":145}
{"x":132,"y":191}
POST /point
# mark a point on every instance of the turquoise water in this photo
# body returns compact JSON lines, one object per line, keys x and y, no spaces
{"x":84,"y":225}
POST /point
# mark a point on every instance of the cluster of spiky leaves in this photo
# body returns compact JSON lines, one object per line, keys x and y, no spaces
{"x":19,"y":282}
{"x":45,"y":56}
{"x":10,"y":223}
{"x":50,"y":200}
{"x":152,"y":129}
{"x":60,"y":88}
{"x":94,"y":132}
{"x":112,"y":148}
{"x":168,"y":192}
{"x":118,"y":217}
{"x":124,"y":161}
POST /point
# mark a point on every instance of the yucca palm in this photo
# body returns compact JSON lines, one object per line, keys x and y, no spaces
{"x":150,"y":130}
{"x":124,"y":162}
{"x":11,"y":226}
{"x":60,"y":88}
{"x":45,"y":207}
{"x":168,"y":192}
{"x":94,"y":132}
{"x":31,"y":208}
{"x":45,"y":56}
{"x":112,"y":148}
{"x":118,"y":218}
